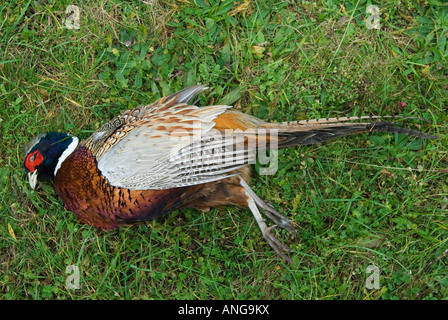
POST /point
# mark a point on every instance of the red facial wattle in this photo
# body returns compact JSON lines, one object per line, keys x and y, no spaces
{"x":33,"y":160}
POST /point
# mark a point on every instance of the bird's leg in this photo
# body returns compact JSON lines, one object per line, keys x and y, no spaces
{"x":268,"y":210}
{"x":279,"y":247}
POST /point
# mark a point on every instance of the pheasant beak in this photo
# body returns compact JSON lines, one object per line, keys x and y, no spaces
{"x":32,"y":177}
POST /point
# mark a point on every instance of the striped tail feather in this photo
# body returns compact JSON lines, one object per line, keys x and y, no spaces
{"x":307,"y":132}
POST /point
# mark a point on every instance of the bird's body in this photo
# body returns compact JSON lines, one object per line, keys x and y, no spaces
{"x":88,"y":194}
{"x":168,"y":155}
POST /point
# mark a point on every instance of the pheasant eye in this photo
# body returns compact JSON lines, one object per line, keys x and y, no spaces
{"x":33,"y":160}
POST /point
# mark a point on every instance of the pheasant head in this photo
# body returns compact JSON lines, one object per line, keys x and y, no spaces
{"x":45,"y":153}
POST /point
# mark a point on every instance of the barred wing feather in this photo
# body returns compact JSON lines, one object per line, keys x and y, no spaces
{"x":165,"y":145}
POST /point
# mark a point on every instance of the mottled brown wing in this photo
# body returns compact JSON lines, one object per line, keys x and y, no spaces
{"x":164,"y":145}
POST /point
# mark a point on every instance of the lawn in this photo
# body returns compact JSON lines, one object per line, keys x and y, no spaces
{"x":370,"y":210}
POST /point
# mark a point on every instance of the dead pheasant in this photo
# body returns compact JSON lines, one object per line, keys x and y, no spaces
{"x":168,"y":155}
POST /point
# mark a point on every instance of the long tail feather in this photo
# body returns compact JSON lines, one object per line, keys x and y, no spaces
{"x":308,"y":132}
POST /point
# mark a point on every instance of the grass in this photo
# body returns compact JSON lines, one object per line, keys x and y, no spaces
{"x":367,"y":200}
